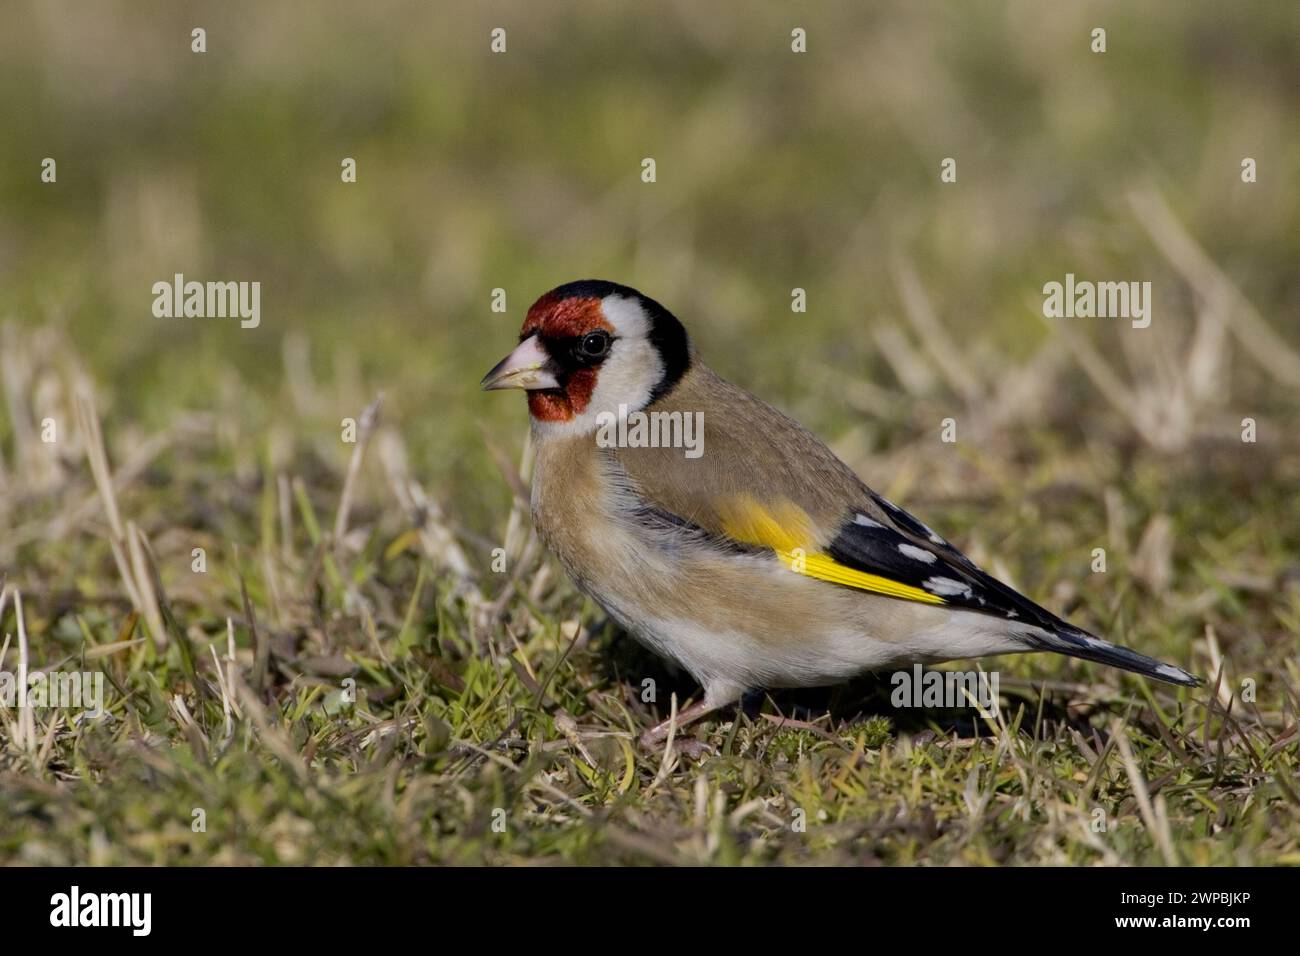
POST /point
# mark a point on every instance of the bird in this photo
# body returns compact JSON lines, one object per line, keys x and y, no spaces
{"x":744,"y":550}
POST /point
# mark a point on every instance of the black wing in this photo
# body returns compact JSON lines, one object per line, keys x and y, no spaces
{"x":905,"y":549}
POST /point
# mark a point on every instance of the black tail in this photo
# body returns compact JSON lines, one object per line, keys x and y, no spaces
{"x":1076,"y":643}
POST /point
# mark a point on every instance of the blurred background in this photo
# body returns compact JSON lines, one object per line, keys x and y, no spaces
{"x":775,"y":170}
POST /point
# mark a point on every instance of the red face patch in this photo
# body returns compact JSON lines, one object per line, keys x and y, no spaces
{"x":565,"y":318}
{"x":555,"y":319}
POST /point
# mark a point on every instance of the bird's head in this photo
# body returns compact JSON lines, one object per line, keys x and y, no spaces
{"x":592,"y":346}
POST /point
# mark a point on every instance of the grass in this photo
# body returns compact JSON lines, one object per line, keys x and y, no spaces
{"x":362,"y":688}
{"x":353,"y":676}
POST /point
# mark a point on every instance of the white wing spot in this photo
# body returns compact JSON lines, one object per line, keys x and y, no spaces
{"x":866,"y":522}
{"x":917,"y":554}
{"x":947,"y":587}
{"x":1175,"y":672}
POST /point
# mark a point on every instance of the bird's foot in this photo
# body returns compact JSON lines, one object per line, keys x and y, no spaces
{"x":687,"y":746}
{"x":654,"y":738}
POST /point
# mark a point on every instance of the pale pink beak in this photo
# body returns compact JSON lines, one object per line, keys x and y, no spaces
{"x":529,"y":367}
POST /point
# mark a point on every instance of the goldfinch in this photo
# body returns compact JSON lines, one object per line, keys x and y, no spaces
{"x":748,"y":552}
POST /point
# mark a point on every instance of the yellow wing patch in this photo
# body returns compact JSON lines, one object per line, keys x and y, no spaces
{"x":788,"y":530}
{"x":785,"y":528}
{"x":826,"y":568}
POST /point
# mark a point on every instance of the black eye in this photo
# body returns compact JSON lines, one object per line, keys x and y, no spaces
{"x":594,"y":345}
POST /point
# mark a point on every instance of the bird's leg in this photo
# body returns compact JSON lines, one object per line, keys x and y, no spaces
{"x":656,"y":735}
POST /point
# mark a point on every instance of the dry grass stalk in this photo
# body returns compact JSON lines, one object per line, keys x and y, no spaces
{"x":1171,"y":392}
{"x":261,"y":644}
{"x":272,"y":737}
{"x":296,"y":355}
{"x":365,"y":427}
{"x":1263,"y":343}
{"x":17,"y":370}
{"x":935,"y":339}
{"x":138,"y":548}
{"x":88,"y":422}
{"x":436,"y":538}
{"x":1155,"y":817}
{"x":26,"y":731}
{"x":284,"y":497}
{"x":909,"y":366}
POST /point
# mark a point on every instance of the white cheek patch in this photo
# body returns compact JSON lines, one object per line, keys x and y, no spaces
{"x":626,"y":378}
{"x":627,"y":317}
